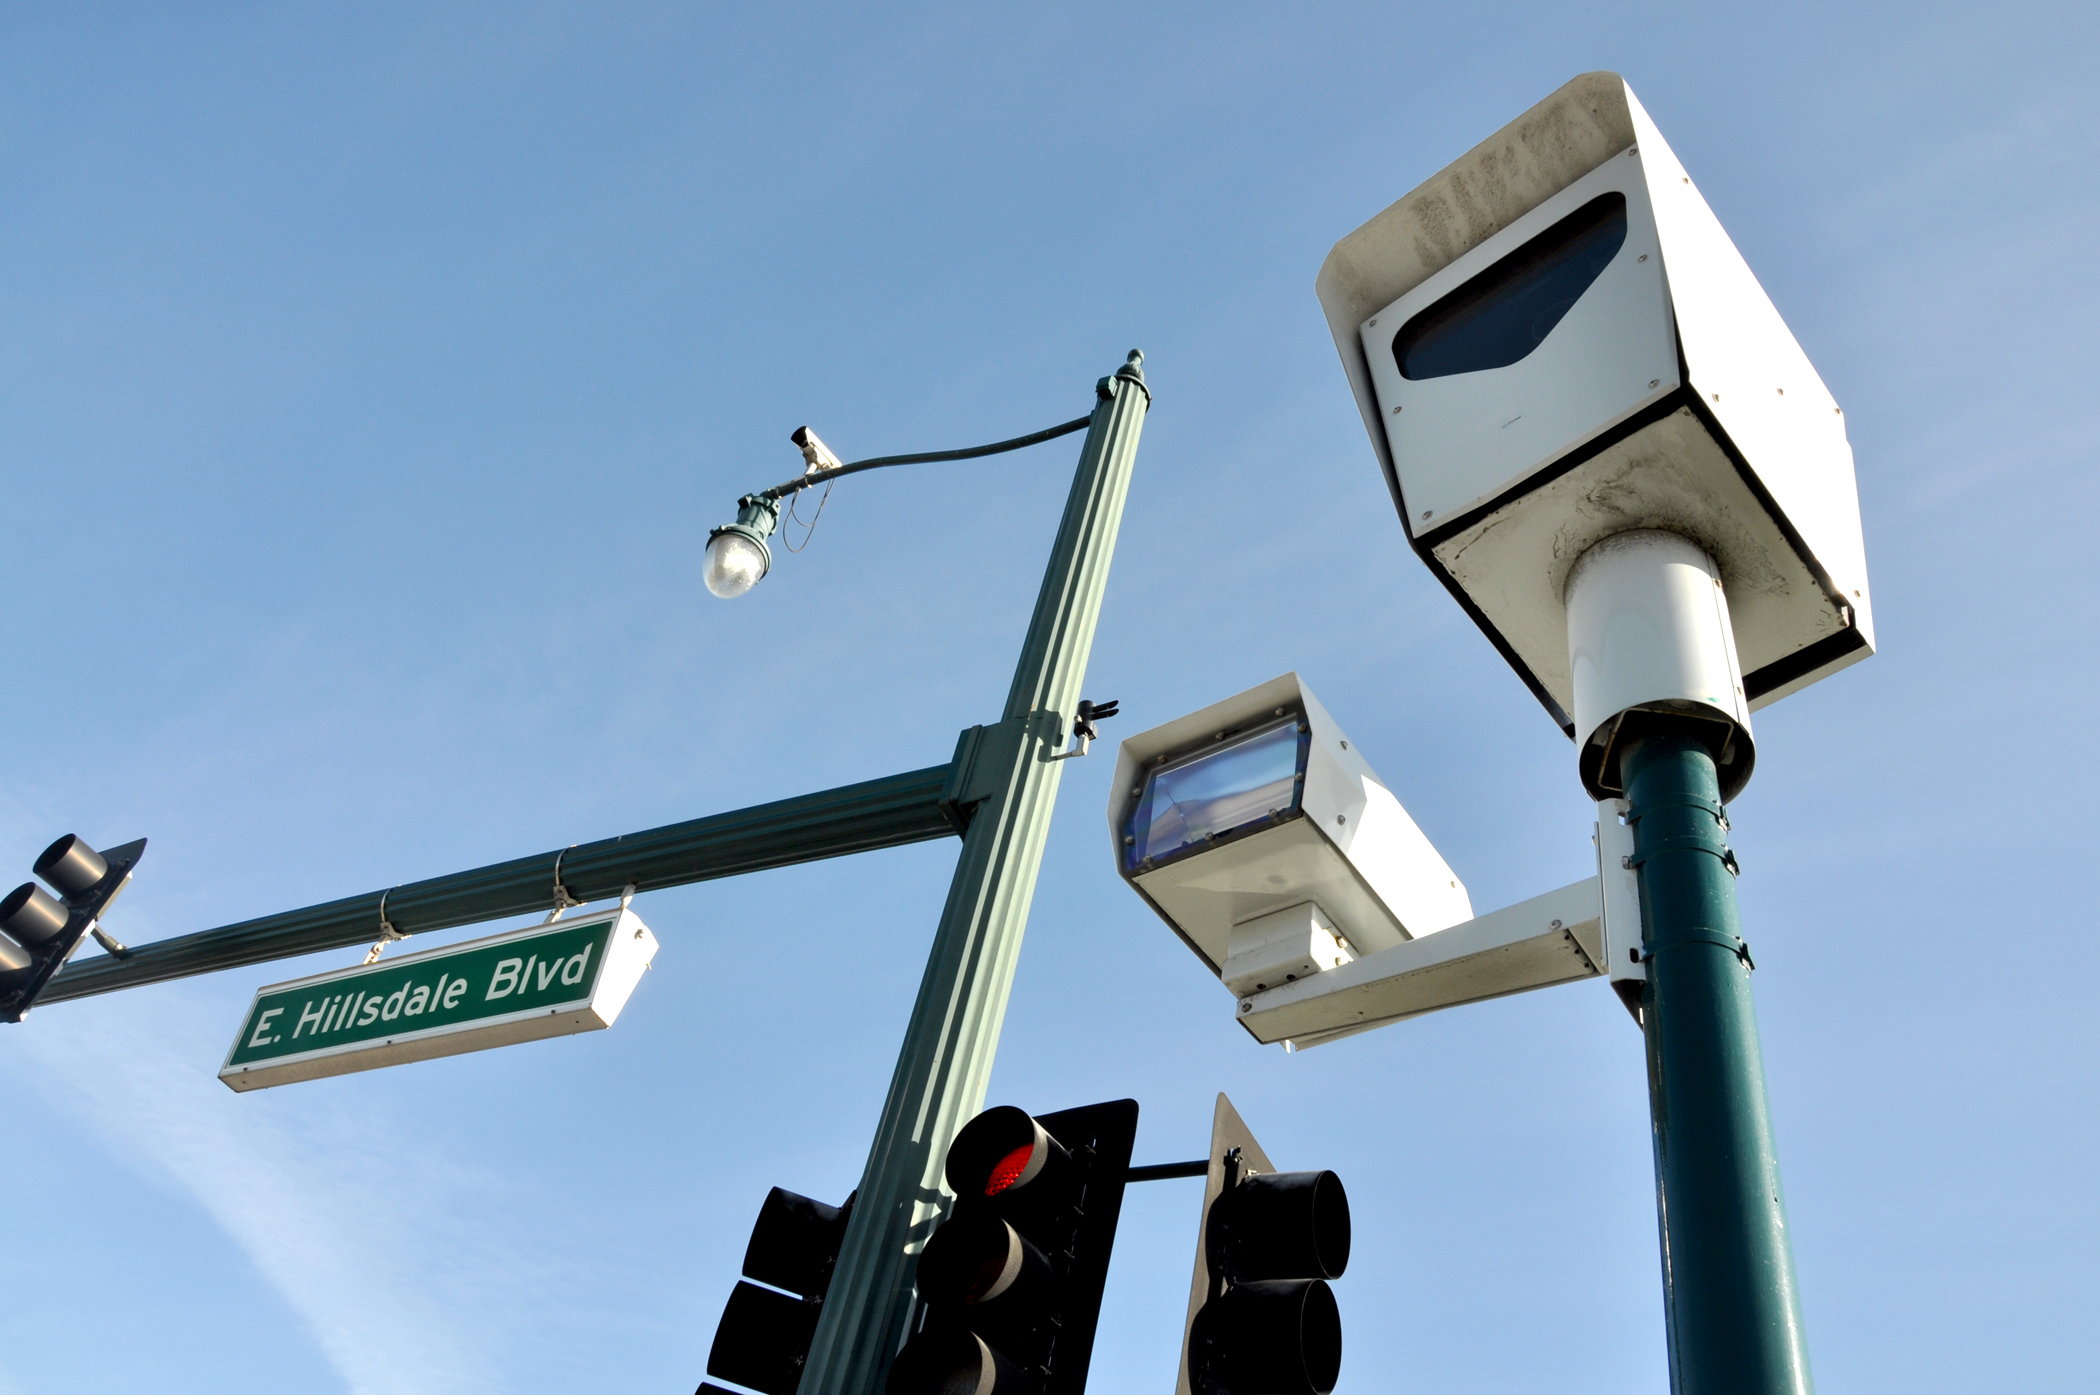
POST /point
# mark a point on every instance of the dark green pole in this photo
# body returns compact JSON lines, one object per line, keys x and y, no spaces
{"x":1007,"y":772}
{"x":1731,"y":1303}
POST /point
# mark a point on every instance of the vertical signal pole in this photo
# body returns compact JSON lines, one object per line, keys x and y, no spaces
{"x":946,"y":1060}
{"x":1731,"y":1302}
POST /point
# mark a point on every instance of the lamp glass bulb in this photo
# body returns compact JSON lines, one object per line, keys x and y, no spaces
{"x":734,"y":565}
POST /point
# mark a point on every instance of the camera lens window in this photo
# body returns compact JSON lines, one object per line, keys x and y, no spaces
{"x":1505,"y":312}
{"x":1191,"y":802}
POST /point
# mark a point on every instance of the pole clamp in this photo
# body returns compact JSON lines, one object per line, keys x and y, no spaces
{"x":1688,"y":842}
{"x":1681,"y":801}
{"x":387,"y":933}
{"x":562,"y":899}
{"x":1704,"y":935}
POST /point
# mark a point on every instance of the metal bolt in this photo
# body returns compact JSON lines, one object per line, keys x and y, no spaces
{"x":1246,"y":1007}
{"x":1129,"y":841}
{"x":1372,"y":325}
{"x":1554,"y":926}
{"x":1642,"y":257}
{"x":1396,"y":411}
{"x":1341,"y":818}
{"x":1655,"y":382}
{"x":1345,"y":745}
{"x":1425,"y":513}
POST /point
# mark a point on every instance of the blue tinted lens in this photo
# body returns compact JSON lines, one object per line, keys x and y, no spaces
{"x":1206,"y":795}
{"x":1505,"y":312}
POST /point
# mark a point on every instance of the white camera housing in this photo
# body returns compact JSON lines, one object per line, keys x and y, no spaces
{"x":1259,"y":833}
{"x":1554,"y":341}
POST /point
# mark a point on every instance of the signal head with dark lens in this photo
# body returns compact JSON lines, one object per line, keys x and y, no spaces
{"x":1277,"y":1225}
{"x":764,"y":1336}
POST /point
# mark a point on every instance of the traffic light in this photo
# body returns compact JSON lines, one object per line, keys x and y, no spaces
{"x":1012,"y":1280}
{"x":764,"y":1335}
{"x":1262,"y":1320}
{"x":39,"y":931}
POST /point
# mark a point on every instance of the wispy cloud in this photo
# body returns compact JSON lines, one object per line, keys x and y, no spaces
{"x":373,"y":1248}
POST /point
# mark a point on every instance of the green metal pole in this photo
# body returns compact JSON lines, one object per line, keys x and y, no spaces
{"x":946,"y":1060}
{"x":1731,"y":1303}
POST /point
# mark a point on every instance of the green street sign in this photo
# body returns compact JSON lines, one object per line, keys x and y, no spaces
{"x":543,"y":981}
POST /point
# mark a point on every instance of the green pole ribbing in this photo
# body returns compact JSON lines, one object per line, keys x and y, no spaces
{"x":1731,"y":1303}
{"x":946,"y":1060}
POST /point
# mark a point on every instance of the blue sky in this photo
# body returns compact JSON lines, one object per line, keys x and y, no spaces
{"x":371,"y":378}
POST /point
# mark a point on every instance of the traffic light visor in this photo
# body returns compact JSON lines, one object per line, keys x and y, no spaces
{"x":1285,"y":1225}
{"x":1274,"y":1338}
{"x":977,"y":1259}
{"x":794,"y":1243}
{"x":1001,"y":1153}
{"x":31,"y":915}
{"x":953,"y":1361}
{"x":71,"y":866}
{"x":760,"y":1340}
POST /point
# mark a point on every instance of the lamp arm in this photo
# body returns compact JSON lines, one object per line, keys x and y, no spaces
{"x":781,"y":491}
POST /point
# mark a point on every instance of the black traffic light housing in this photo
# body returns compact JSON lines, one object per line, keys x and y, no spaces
{"x":1262,"y":1320}
{"x":39,"y":931}
{"x":1012,"y":1280}
{"x":764,"y":1336}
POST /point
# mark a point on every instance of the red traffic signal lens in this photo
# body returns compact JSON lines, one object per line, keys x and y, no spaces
{"x":1001,"y":1152}
{"x":1008,"y":1169}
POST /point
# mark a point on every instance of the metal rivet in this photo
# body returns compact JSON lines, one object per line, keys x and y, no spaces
{"x":1246,"y":1007}
{"x":1642,"y":257}
{"x":1655,"y":382}
{"x":1396,"y":411}
{"x":1425,"y":513}
{"x":1554,"y":926}
{"x":1129,"y":841}
{"x":1372,"y":325}
{"x":1341,"y":818}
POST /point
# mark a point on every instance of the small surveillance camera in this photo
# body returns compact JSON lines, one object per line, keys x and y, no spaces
{"x":815,"y":452}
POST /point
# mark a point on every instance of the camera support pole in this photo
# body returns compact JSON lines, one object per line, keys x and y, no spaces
{"x":1731,"y":1305}
{"x":1661,"y":715}
{"x":1009,"y":774}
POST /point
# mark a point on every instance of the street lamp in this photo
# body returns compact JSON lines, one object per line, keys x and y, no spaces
{"x":737,"y":555}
